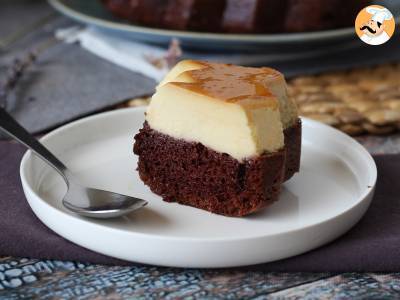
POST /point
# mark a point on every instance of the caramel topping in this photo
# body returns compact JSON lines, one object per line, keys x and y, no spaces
{"x":228,"y":82}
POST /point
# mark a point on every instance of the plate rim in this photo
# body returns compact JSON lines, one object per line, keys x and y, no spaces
{"x":366,"y":192}
{"x":311,"y":36}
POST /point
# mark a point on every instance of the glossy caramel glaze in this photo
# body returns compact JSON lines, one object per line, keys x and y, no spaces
{"x":230,"y":83}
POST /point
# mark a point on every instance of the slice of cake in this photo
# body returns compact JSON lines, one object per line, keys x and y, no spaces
{"x":219,"y":137}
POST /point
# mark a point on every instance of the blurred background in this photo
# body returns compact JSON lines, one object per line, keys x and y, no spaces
{"x":64,"y":59}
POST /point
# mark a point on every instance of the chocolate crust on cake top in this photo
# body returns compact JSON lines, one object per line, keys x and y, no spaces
{"x":192,"y":174}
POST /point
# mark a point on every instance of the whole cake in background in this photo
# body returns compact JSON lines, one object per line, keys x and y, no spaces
{"x":239,"y":16}
{"x":219,"y":137}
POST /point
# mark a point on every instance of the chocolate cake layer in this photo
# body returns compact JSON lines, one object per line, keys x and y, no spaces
{"x":192,"y":174}
{"x":293,"y":149}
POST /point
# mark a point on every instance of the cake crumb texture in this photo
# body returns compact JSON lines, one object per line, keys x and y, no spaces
{"x":192,"y":174}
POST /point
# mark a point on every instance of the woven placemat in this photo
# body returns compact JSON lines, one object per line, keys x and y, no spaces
{"x":358,"y":101}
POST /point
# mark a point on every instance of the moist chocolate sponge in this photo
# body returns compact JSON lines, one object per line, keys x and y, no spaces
{"x":192,"y":174}
{"x":293,"y":149}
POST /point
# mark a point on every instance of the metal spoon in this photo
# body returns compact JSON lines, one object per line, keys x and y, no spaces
{"x":79,"y":199}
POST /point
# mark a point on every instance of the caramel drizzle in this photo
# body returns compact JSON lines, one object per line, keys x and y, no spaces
{"x":230,"y":83}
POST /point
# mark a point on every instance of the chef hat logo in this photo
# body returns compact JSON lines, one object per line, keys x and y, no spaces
{"x":375,"y":25}
{"x":379,"y":14}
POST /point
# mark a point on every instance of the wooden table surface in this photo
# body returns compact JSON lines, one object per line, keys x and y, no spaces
{"x":49,"y":279}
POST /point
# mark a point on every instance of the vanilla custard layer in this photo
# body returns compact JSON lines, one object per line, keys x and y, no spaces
{"x":241,"y":130}
{"x":230,"y":109}
{"x":235,"y":81}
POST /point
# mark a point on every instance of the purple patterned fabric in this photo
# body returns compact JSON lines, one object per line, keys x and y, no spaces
{"x":372,"y":245}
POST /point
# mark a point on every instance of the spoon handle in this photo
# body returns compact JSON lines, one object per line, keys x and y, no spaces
{"x":15,"y":130}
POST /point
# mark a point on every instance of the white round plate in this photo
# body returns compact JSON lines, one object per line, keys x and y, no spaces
{"x":329,"y":195}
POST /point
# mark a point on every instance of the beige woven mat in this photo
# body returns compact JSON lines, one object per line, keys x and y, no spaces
{"x":358,"y":101}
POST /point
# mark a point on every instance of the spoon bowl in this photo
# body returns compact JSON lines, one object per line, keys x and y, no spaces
{"x":99,"y":204}
{"x":85,"y":201}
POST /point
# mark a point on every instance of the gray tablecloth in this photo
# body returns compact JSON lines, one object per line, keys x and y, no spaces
{"x":66,"y":82}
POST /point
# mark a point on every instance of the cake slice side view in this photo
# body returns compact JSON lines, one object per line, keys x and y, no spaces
{"x":214,"y":138}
